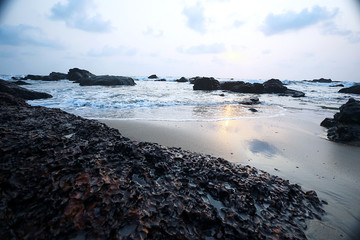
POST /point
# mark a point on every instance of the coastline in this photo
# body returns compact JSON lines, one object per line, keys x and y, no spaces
{"x":292,"y":146}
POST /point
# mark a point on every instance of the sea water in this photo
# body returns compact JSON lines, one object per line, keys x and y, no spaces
{"x":172,"y":101}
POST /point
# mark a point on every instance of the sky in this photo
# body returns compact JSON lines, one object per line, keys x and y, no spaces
{"x":258,"y":39}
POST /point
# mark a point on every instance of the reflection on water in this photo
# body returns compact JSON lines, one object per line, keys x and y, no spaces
{"x":258,"y":146}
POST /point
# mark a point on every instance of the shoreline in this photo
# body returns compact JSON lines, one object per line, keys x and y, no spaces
{"x":292,"y":146}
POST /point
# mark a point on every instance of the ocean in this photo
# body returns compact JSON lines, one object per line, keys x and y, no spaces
{"x":173,"y":101}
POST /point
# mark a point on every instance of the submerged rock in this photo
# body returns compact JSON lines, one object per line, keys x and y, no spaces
{"x":354,"y":89}
{"x":250,"y":101}
{"x":345,"y":126}
{"x":14,"y":89}
{"x":65,"y":177}
{"x":106,"y":80}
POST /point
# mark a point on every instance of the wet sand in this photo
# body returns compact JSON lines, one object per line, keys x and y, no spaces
{"x":292,"y":146}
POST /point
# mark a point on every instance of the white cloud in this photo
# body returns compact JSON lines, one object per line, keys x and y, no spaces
{"x":112,"y":51}
{"x":151,"y":32}
{"x":214,"y":48}
{"x":20,"y":35}
{"x":275,"y":24}
{"x":330,"y":28}
{"x":195,"y":18}
{"x":75,"y":14}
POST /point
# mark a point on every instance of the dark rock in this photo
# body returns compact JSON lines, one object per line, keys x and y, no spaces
{"x":250,"y":101}
{"x":354,"y":89}
{"x":56,"y":76}
{"x":7,"y":99}
{"x":153,"y":76}
{"x":65,"y":177}
{"x":76,"y":74}
{"x":206,"y":83}
{"x":182,"y":79}
{"x":160,"y":80}
{"x":222,"y":95}
{"x":19,"y":82}
{"x":345,"y":126}
{"x":230,"y":85}
{"x":106,"y":80}
{"x":13,"y":89}
{"x":36,"y":77}
{"x":253,"y":110}
{"x":274,"y":86}
{"x":270,"y":86}
{"x":337,"y":85}
{"x":320,"y":80}
{"x":328,"y":123}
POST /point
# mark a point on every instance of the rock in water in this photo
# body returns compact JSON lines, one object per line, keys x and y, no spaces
{"x":354,"y":89}
{"x":206,"y":83}
{"x":153,"y":76}
{"x":76,"y":74}
{"x":345,"y":126}
{"x":12,"y":88}
{"x":106,"y":80}
{"x":270,"y":86}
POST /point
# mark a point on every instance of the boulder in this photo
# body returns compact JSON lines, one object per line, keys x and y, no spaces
{"x":354,"y":89}
{"x":56,"y":76}
{"x":206,"y":83}
{"x":274,"y":86}
{"x":182,"y":79}
{"x":106,"y":80}
{"x":153,"y":76}
{"x":76,"y":74}
{"x":229,"y":85}
{"x":17,"y":91}
{"x":345,"y":126}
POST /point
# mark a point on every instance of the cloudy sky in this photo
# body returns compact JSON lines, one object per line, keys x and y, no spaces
{"x":256,"y":39}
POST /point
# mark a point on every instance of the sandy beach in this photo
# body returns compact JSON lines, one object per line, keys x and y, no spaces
{"x":293,"y":146}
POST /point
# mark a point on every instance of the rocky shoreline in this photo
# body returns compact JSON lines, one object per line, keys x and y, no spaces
{"x":63,"y":176}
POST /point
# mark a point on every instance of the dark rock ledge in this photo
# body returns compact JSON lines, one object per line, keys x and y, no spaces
{"x":270,"y":86}
{"x":345,"y":126}
{"x":65,"y":177}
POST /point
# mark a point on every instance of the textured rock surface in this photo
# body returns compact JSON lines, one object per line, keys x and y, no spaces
{"x":345,"y":126}
{"x":21,"y":92}
{"x":65,"y":177}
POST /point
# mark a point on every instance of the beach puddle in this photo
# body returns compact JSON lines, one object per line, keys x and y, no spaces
{"x":262,"y":147}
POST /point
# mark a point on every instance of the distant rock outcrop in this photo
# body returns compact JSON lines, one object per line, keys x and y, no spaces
{"x":345,"y":126}
{"x":12,"y":88}
{"x":206,"y":83}
{"x":153,"y":76}
{"x":354,"y":89}
{"x":270,"y":86}
{"x":56,"y":76}
{"x":182,"y":79}
{"x":106,"y":80}
{"x":76,"y":74}
{"x":320,"y":80}
{"x":36,"y":77}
